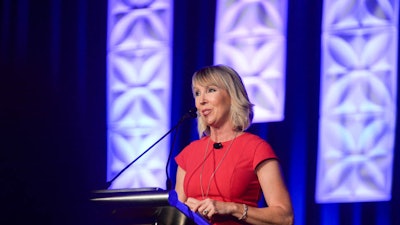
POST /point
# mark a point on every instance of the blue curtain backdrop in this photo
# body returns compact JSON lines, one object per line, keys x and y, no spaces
{"x":53,"y":109}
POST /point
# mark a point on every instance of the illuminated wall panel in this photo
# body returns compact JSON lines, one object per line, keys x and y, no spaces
{"x":358,"y":101}
{"x":139,"y":80}
{"x":251,"y":37}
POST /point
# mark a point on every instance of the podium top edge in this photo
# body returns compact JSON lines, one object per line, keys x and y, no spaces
{"x":129,"y":190}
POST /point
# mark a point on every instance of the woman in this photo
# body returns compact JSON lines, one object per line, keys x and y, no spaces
{"x":223,"y":174}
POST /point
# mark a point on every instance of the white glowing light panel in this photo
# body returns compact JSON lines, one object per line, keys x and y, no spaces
{"x":139,"y":80}
{"x":250,"y":37}
{"x":358,"y":101}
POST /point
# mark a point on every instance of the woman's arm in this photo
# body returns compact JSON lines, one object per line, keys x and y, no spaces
{"x":279,"y":210}
{"x":180,"y":176}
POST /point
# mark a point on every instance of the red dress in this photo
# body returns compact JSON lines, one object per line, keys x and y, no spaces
{"x":234,"y":178}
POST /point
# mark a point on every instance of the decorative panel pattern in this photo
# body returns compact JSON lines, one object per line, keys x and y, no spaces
{"x":139,"y":80}
{"x":358,"y":101}
{"x":251,"y":37}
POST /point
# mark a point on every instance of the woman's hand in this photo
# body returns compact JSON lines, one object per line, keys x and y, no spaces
{"x":209,"y":207}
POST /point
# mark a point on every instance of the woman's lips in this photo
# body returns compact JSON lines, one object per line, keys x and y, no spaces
{"x":205,"y":112}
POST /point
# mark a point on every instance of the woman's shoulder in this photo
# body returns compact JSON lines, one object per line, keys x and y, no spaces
{"x":257,"y":147}
{"x":193,"y":148}
{"x":197,"y":142}
{"x":250,"y":137}
{"x":253,"y":141}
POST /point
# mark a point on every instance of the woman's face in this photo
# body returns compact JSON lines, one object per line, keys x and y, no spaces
{"x":213,"y":104}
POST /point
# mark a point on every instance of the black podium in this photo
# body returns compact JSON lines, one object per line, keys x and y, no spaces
{"x":142,"y":206}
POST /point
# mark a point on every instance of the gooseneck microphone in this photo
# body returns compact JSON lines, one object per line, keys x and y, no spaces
{"x":191,"y":114}
{"x":218,"y":145}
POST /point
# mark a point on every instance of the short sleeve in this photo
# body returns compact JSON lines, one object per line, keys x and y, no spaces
{"x":263,"y":151}
{"x":180,"y":158}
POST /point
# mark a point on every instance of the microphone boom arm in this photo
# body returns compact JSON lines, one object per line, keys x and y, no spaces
{"x":191,"y":114}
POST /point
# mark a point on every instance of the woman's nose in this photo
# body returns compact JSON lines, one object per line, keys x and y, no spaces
{"x":202,"y":99}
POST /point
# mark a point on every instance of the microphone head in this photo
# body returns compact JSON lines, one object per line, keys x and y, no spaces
{"x":193,"y":112}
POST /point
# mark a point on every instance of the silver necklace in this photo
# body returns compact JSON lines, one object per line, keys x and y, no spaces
{"x":205,"y":195}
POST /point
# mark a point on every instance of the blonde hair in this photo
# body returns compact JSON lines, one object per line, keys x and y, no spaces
{"x":226,"y":78}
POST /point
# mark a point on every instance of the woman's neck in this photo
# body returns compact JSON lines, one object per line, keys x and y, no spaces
{"x":218,"y":135}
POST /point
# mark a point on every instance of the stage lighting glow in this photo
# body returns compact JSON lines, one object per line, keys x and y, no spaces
{"x":250,"y":37}
{"x":358,"y":102}
{"x":139,"y":83}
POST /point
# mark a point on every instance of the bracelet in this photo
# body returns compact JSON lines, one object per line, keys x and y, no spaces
{"x":244,"y":216}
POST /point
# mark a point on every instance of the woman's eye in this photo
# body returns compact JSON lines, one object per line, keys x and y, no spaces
{"x":196,"y":93}
{"x":211,"y":90}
